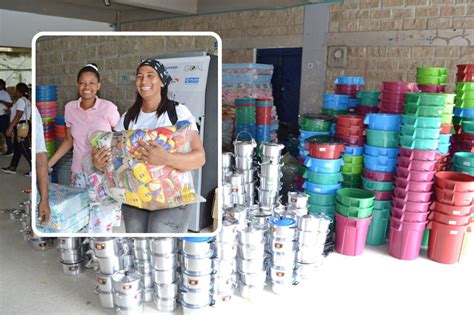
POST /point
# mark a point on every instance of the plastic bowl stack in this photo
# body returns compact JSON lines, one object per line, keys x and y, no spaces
{"x":354,"y":208}
{"x":350,"y":130}
{"x":245,"y":118}
{"x":446,"y":127}
{"x":450,"y":222}
{"x":47,"y":104}
{"x":323,"y":174}
{"x":380,"y":159}
{"x":349,"y":85}
{"x":431,"y":79}
{"x":368,"y":102}
{"x":60,"y":127}
{"x":392,"y":98}
{"x":264,"y":108}
{"x":463,"y":162}
{"x":335,"y":104}
{"x":464,"y":110}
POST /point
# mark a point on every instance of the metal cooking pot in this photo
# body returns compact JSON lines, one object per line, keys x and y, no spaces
{"x":70,"y":256}
{"x":167,"y":262}
{"x":126,"y":282}
{"x":281,"y":287}
{"x":314,"y":223}
{"x":305,"y":271}
{"x":243,"y":163}
{"x":282,"y":245}
{"x":270,"y":159}
{"x":284,"y":260}
{"x":163,"y":246}
{"x":272,"y":150}
{"x":281,"y":275}
{"x":131,"y":300}
{"x":236,"y":180}
{"x":259,"y":218}
{"x":267,"y":197}
{"x":104,"y":282}
{"x":281,"y":227}
{"x":226,"y":251}
{"x":248,"y":175}
{"x":41,"y":244}
{"x":238,"y":212}
{"x":69,"y":242}
{"x":106,"y":299}
{"x":253,"y":251}
{"x":164,"y":276}
{"x":147,"y":280}
{"x":105,"y":247}
{"x":224,"y":267}
{"x":312,"y":239}
{"x":142,"y":254}
{"x":223,"y":284}
{"x":148,"y":295}
{"x":141,"y":243}
{"x":227,"y":200}
{"x":270,"y":184}
{"x":164,"y":305}
{"x":297,"y":200}
{"x":197,"y":265}
{"x":127,"y":262}
{"x":197,"y":248}
{"x":237,"y":199}
{"x":270,"y":170}
{"x":166,"y":291}
{"x":228,"y":232}
{"x":310,"y":255}
{"x":197,"y":282}
{"x":196,"y":296}
{"x":125,"y":244}
{"x":227,"y":158}
{"x":226,"y":189}
{"x":244,"y":148}
{"x":250,"y":292}
{"x":253,"y":279}
{"x":129,"y":311}
{"x":73,"y":269}
{"x":250,"y":265}
{"x":251,"y":235}
{"x":109,"y":265}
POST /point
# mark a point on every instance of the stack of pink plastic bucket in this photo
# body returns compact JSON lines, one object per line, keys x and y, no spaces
{"x":450,"y":221}
{"x":411,"y":202}
{"x":392,"y":97}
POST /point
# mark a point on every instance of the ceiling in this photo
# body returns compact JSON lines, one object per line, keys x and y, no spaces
{"x":137,"y":10}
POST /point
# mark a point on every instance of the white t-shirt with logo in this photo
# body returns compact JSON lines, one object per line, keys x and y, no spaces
{"x":150,"y":121}
{"x":4,"y":96}
{"x":24,"y":105}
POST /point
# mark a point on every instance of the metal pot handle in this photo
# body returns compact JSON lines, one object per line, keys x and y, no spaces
{"x":245,"y":131}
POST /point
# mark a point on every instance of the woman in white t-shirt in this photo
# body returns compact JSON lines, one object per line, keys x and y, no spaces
{"x":153,"y":109}
{"x":20,"y":112}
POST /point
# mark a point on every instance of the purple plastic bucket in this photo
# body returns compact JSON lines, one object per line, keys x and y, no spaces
{"x":415,"y":165}
{"x":420,"y":155}
{"x":411,"y":206}
{"x":408,"y":216}
{"x":412,"y":195}
{"x":405,"y":238}
{"x":351,"y":235}
{"x":402,"y":172}
{"x":413,"y":186}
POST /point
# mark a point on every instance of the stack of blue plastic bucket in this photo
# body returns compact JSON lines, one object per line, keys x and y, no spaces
{"x":380,"y":160}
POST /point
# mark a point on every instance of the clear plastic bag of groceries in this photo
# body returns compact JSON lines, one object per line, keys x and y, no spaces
{"x":145,"y":186}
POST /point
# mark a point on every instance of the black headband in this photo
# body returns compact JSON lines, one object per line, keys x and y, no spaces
{"x":159,"y":68}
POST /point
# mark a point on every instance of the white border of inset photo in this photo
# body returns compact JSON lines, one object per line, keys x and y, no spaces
{"x":219,"y":130}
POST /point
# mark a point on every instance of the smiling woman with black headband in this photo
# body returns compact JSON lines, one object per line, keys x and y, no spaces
{"x":153,"y":109}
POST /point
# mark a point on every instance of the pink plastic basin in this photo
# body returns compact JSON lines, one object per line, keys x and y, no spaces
{"x":399,"y":86}
{"x":405,"y":238}
{"x":420,"y":155}
{"x":408,"y":216}
{"x":412,"y":185}
{"x":415,"y":165}
{"x":452,"y":210}
{"x":432,"y":88}
{"x":351,"y":235}
{"x":411,"y":206}
{"x":388,"y":96}
{"x":412,"y":196}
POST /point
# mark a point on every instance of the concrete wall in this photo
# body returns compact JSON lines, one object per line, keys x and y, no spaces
{"x":18,"y":28}
{"x":60,"y":59}
{"x":241,"y":32}
{"x":388,"y":39}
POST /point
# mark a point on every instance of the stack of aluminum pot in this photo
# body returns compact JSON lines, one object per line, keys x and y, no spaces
{"x":128,"y":292}
{"x":312,"y":233}
{"x":270,"y":174}
{"x":282,"y":250}
{"x":25,"y":220}
{"x":227,"y":164}
{"x":251,"y":260}
{"x":224,"y":264}
{"x":108,"y":253}
{"x":164,"y":263}
{"x":298,"y":203}
{"x":197,"y":273}
{"x":72,"y":255}
{"x":142,"y":263}
{"x":237,"y":189}
{"x":243,"y":153}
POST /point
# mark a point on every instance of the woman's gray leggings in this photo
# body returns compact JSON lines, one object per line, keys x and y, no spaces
{"x":174,"y":220}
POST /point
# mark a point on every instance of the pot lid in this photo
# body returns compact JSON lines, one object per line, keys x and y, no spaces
{"x":282,"y":221}
{"x":125,"y":276}
{"x":197,"y":239}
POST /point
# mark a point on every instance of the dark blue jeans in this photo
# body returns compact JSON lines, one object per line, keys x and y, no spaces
{"x":174,"y":220}
{"x":4,"y":123}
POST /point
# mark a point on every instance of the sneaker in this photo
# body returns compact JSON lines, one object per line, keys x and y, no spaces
{"x":28,"y":174}
{"x":8,"y":170}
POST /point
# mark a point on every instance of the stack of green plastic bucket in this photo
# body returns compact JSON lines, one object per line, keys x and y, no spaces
{"x":355,"y":203}
{"x":464,"y":91}
{"x":432,"y":76}
{"x":352,"y":170}
{"x":446,"y":125}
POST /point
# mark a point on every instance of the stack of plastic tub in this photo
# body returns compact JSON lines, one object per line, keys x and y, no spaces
{"x":350,"y":130}
{"x":431,"y":79}
{"x":347,"y":85}
{"x":392,"y":97}
{"x":451,"y":222}
{"x":47,"y":104}
{"x":463,"y":162}
{"x":323,"y":173}
{"x":446,"y":128}
{"x":264,"y":119}
{"x":380,"y":159}
{"x":354,"y":209}
{"x":197,"y":269}
{"x":335,"y":104}
{"x":368,"y":102}
{"x":464,"y":92}
{"x":245,"y":118}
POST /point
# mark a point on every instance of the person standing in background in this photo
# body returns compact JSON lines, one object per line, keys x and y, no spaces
{"x":5,"y":104}
{"x":41,"y":170}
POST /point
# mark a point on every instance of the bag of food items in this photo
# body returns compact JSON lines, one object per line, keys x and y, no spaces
{"x":143,"y":185}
